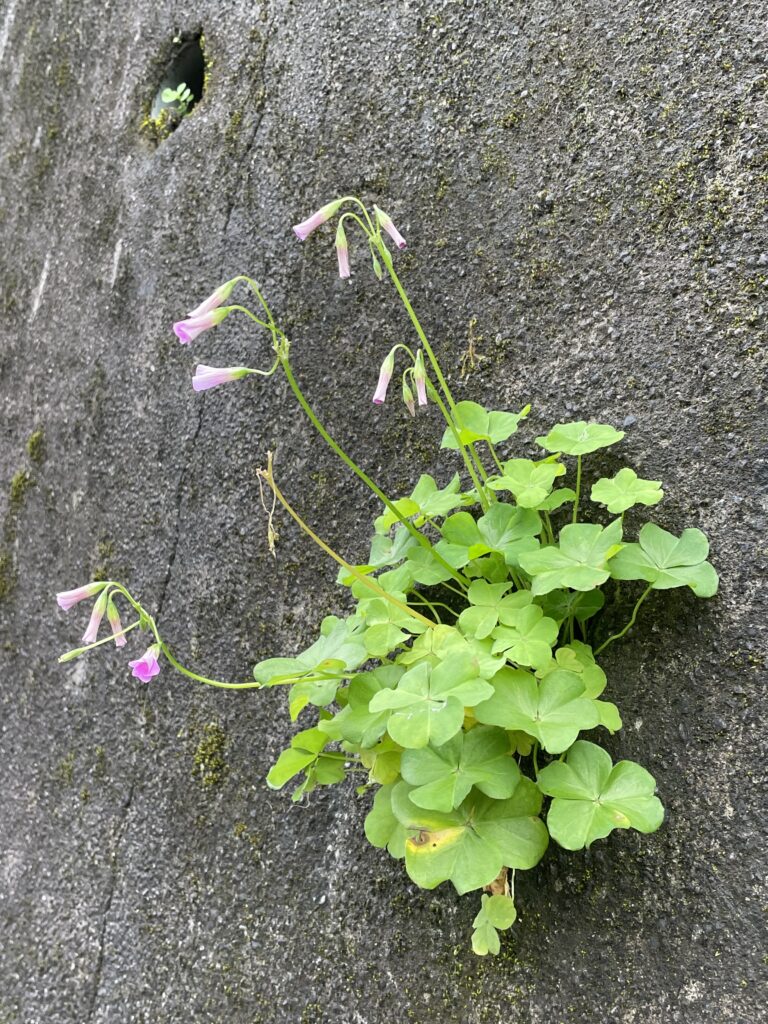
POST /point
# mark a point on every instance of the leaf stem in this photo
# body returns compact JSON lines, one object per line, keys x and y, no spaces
{"x":267,"y":475}
{"x":578,"y":489}
{"x":630,"y":624}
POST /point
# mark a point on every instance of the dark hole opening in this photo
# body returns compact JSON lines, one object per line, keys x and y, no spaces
{"x":186,"y":67}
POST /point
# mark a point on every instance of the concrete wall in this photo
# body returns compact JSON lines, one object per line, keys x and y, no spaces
{"x":583,"y":188}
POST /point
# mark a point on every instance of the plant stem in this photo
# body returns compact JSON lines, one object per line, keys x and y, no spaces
{"x":536,"y":758}
{"x":204,"y":679}
{"x":387,"y":260}
{"x":423,"y":541}
{"x":630,"y":624}
{"x":467,"y":461}
{"x":578,"y":489}
{"x":266,"y":474}
{"x":549,"y":530}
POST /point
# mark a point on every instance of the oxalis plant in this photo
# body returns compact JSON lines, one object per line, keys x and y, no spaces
{"x":458,"y":690}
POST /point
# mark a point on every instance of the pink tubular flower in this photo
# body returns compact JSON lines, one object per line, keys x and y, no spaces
{"x":420,"y":378}
{"x":218,"y":298}
{"x":114,"y":620}
{"x":89,"y":636}
{"x":187,"y":330}
{"x":211,"y":376}
{"x":386,"y":222}
{"x":342,"y":251}
{"x":385,"y":375}
{"x":145,"y":667}
{"x":67,"y":598}
{"x":325,"y":213}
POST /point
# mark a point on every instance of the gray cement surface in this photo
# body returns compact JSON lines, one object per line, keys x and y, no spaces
{"x":583,"y":188}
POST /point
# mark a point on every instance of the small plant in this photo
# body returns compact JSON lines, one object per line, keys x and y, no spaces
{"x":460,"y":688}
{"x":181,"y":96}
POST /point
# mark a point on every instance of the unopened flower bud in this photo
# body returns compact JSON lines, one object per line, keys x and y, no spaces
{"x":218,"y":298}
{"x":342,"y":251}
{"x":386,"y":222}
{"x":325,"y":213}
{"x":114,"y":620}
{"x":385,"y":375}
{"x":187,"y":330}
{"x":408,"y":399}
{"x":420,"y":378}
{"x":89,"y":636}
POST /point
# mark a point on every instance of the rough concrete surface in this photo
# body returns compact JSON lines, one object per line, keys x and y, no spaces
{"x":583,"y":188}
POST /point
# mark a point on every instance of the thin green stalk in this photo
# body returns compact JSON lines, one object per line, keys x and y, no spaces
{"x":266,"y":474}
{"x":467,"y":461}
{"x":495,"y":457}
{"x":549,"y":530}
{"x":423,"y":541}
{"x":387,"y":259}
{"x":536,"y":759}
{"x":630,"y":624}
{"x":578,"y":489}
{"x":204,"y":679}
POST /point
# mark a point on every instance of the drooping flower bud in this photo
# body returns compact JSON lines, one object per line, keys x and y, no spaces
{"x":67,"y":598}
{"x":385,"y":375}
{"x":420,"y":378}
{"x":408,"y":398}
{"x":386,"y":222}
{"x":218,"y":298}
{"x":114,"y":620}
{"x":187,"y":330}
{"x":377,"y":266}
{"x":89,"y":636}
{"x":211,"y":376}
{"x":325,"y":213}
{"x":342,"y":251}
{"x":145,"y":667}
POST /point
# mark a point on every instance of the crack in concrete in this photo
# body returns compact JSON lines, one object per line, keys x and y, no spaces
{"x":120,"y":833}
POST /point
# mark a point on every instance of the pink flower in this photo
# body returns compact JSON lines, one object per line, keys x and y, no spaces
{"x":145,"y":667}
{"x":187,"y":330}
{"x":303,"y":230}
{"x":385,"y":375}
{"x":342,"y":251}
{"x":69,"y":597}
{"x":89,"y":636}
{"x":211,"y":376}
{"x":420,"y":378}
{"x":386,"y":222}
{"x":114,"y":620}
{"x":215,"y":300}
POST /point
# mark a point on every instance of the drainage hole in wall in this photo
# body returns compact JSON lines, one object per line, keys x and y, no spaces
{"x":181,"y":86}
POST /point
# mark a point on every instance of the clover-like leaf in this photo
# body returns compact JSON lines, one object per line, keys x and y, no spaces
{"x":427,"y":705}
{"x":474,"y":423}
{"x":554,"y":711}
{"x":666,"y":561}
{"x":527,"y":638}
{"x":356,"y":723}
{"x":582,"y":605}
{"x":426,"y":502}
{"x":529,"y":482}
{"x":579,"y":438}
{"x":578,"y":657}
{"x":624,"y":490}
{"x":497,"y":913}
{"x":389,"y":550}
{"x":382,"y":761}
{"x":558,"y":497}
{"x":470,"y":845}
{"x":303,"y":751}
{"x":339,"y":647}
{"x":444,"y":775}
{"x":382,"y":829}
{"x":483,"y":613}
{"x":592,"y":797}
{"x":580,"y":560}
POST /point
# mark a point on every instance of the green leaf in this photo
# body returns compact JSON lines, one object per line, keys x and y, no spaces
{"x":529,"y":637}
{"x":303,"y":751}
{"x":553,"y":711}
{"x":382,"y":829}
{"x":497,"y":913}
{"x":582,"y":605}
{"x":592,"y":797}
{"x":383,"y":761}
{"x":579,"y":438}
{"x":168,"y":96}
{"x":319,"y":693}
{"x":444,"y":775}
{"x":483,"y":614}
{"x":339,"y":644}
{"x":474,"y":423}
{"x":428,"y":704}
{"x":624,"y":490}
{"x":386,"y":550}
{"x":666,"y":561}
{"x":529,"y":482}
{"x":470,"y":845}
{"x":578,"y":657}
{"x":356,"y":723}
{"x":557,"y":498}
{"x":580,"y":561}
{"x":426,"y":501}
